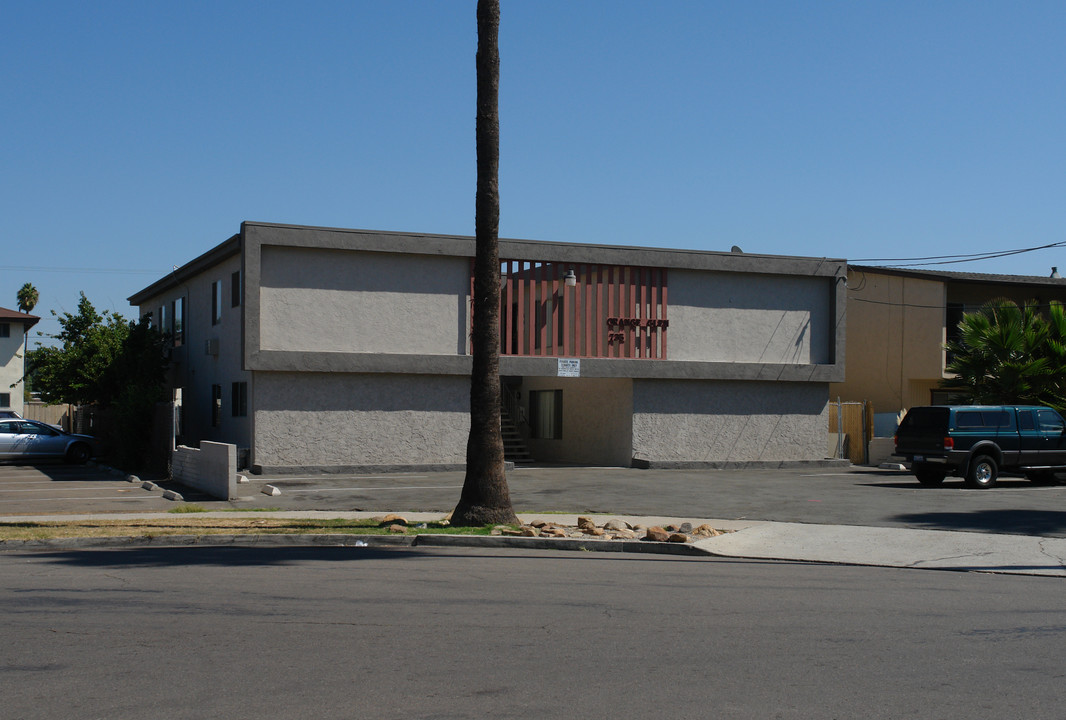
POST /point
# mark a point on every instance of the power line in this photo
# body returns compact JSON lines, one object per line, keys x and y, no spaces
{"x":91,"y":271}
{"x":952,"y":259}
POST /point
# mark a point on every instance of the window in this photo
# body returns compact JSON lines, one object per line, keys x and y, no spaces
{"x":216,"y":302}
{"x":546,"y":414}
{"x":5,"y":329}
{"x":216,"y":405}
{"x":1025,"y":420}
{"x":1049,"y":420}
{"x":235,"y":289}
{"x":164,"y":320}
{"x":177,"y":309}
{"x":239,"y":399}
{"x":5,"y":400}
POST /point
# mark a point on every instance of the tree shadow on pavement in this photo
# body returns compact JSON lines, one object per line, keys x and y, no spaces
{"x":1046,"y":523}
{"x":221,"y":556}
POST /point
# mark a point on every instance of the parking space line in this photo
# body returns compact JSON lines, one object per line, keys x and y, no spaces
{"x":287,"y":478}
{"x":363,"y":489}
{"x":83,"y":499}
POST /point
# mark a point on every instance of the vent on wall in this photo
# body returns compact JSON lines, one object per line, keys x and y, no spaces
{"x":211,"y":346}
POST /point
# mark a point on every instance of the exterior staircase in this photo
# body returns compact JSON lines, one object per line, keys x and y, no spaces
{"x":514,"y":447}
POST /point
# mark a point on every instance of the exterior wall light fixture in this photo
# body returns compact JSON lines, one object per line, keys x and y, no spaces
{"x":570,"y":279}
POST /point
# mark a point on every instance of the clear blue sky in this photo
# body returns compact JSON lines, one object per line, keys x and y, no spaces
{"x":137,"y":135}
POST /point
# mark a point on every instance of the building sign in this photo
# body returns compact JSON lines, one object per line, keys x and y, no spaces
{"x":569,"y":367}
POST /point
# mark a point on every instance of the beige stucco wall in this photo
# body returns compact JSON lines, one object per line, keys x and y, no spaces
{"x":11,"y":366}
{"x":596,"y":421}
{"x":895,"y":341}
{"x":325,"y":300}
{"x":345,"y":420}
{"x":743,"y":317}
{"x":721,"y":422}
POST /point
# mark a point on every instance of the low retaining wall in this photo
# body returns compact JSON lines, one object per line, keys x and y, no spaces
{"x":211,"y":469}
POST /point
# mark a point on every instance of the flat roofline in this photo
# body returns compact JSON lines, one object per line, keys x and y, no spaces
{"x":964,"y":277}
{"x":215,"y":255}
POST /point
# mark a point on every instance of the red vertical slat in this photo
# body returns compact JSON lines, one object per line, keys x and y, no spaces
{"x":662,"y":341}
{"x":587,"y":275}
{"x":509,"y":348}
{"x":564,"y":310}
{"x":542,"y":307}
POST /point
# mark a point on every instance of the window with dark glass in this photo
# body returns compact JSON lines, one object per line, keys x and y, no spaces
{"x":239,"y":399}
{"x":5,"y":329}
{"x":177,"y":311}
{"x":546,"y":414}
{"x":235,"y":289}
{"x":5,"y":399}
{"x":216,"y":302}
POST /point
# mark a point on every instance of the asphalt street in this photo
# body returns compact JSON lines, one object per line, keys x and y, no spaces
{"x":835,"y":496}
{"x":358,"y":632}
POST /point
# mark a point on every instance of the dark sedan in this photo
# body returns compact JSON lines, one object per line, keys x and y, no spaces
{"x":30,"y":440}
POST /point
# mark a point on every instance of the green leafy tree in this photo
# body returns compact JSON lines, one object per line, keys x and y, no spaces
{"x":1010,"y":353}
{"x":104,"y":360}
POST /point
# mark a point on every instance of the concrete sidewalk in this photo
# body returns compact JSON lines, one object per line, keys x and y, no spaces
{"x":845,"y":544}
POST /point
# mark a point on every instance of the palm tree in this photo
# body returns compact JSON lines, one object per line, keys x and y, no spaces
{"x":27,"y":298}
{"x":485,"y":498}
{"x":1001,"y":355}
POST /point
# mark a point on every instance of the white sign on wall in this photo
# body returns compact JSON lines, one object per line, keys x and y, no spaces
{"x":569,"y":367}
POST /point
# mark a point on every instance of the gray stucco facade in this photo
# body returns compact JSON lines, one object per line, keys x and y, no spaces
{"x":353,"y":349}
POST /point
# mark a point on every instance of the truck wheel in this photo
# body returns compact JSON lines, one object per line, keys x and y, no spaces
{"x":929,"y":475}
{"x":982,"y":472}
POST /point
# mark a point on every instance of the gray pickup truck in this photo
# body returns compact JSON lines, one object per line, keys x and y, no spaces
{"x":976,"y":442}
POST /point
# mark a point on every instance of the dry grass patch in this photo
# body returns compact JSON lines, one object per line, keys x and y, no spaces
{"x":186,"y":525}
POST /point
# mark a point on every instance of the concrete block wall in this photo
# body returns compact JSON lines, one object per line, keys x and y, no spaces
{"x":212,"y":468}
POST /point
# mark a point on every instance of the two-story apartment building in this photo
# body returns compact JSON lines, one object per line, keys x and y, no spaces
{"x":14,"y":327}
{"x":349,"y":349}
{"x":899,"y":321}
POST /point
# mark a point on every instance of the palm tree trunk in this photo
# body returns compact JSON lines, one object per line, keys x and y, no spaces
{"x":485,"y":498}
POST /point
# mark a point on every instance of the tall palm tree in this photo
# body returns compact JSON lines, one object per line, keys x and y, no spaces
{"x":27,"y":298}
{"x":485,"y":497}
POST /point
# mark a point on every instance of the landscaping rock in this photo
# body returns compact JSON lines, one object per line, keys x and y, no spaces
{"x":397,"y":528}
{"x":584,"y":523}
{"x":678,"y":538}
{"x":685,"y":527}
{"x":614,"y":525}
{"x":657,"y":534}
{"x":393,"y":519}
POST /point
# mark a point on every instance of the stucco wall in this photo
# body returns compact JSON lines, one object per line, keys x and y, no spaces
{"x":596,"y":421}
{"x":11,"y":366}
{"x":194,"y":370}
{"x":685,"y":423}
{"x":326,"y":300}
{"x":895,"y":340}
{"x":742,"y":317}
{"x":344,"y":420}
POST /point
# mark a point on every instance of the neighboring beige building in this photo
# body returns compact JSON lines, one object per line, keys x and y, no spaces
{"x":317,"y":348}
{"x":899,"y":321}
{"x":14,"y":326}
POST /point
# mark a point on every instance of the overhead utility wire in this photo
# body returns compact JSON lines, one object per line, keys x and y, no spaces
{"x":951,"y":259}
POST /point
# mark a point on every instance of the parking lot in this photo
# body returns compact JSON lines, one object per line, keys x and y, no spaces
{"x":839,"y":496}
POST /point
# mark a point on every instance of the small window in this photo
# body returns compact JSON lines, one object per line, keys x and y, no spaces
{"x":546,"y":414}
{"x":164,"y":320}
{"x":971,"y":419}
{"x":235,"y":289}
{"x":239,"y":400}
{"x":216,"y":405}
{"x":5,"y":329}
{"x":5,"y":400}
{"x":178,"y":311}
{"x":1025,"y":420}
{"x":9,"y":428}
{"x":216,"y":302}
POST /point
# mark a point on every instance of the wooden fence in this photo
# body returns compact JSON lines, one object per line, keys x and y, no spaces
{"x":853,"y":422}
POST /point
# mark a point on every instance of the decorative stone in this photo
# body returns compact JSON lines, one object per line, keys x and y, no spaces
{"x":396,"y":528}
{"x":685,"y":527}
{"x":540,"y":524}
{"x":584,"y":523}
{"x":530,"y":531}
{"x":594,"y":531}
{"x":678,"y":538}
{"x":393,"y":518}
{"x":614,"y":525}
{"x":511,"y":532}
{"x":706,"y":530}
{"x":554,"y":532}
{"x":657,"y":534}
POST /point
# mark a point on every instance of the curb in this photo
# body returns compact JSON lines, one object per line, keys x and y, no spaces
{"x":369,"y":541}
